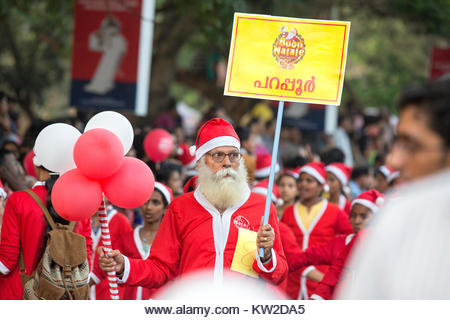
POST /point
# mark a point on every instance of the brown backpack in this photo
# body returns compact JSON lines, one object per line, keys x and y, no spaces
{"x":63,"y":271}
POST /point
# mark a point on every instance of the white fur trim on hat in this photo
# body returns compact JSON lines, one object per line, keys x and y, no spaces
{"x":311,"y":171}
{"x":366,"y":203}
{"x":3,"y":193}
{"x":222,"y":141}
{"x":192,"y":150}
{"x":36,"y":162}
{"x":265,"y":172}
{"x":393,"y":176}
{"x":385,"y":171}
{"x":263,"y":191}
{"x":338,"y":173}
{"x":163,"y":190}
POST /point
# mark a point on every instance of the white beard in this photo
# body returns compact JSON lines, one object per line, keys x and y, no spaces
{"x":221,"y":191}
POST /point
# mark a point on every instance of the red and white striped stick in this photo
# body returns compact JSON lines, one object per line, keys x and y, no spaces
{"x":106,"y":240}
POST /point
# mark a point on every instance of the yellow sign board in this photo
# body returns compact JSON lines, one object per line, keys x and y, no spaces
{"x":287,"y":59}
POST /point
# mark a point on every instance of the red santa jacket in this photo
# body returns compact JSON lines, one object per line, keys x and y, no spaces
{"x":325,"y":289}
{"x":118,"y":226}
{"x":23,"y":228}
{"x":130,"y":245}
{"x":329,"y":222}
{"x":290,"y":247}
{"x":193,"y":236}
{"x":323,"y":254}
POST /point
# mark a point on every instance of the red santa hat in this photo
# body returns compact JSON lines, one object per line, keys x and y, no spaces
{"x":341,"y":171}
{"x":293,"y":172}
{"x":371,"y":199}
{"x":2,"y":191}
{"x":185,"y":156}
{"x":212,"y":134}
{"x":262,"y":187}
{"x":165,"y":190}
{"x":317,"y":170}
{"x":263,"y":162}
{"x":389,"y":173}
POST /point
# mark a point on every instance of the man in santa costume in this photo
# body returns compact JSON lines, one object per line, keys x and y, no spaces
{"x":216,"y":227}
{"x":24,"y":230}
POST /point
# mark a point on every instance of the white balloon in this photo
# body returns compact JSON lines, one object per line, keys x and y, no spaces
{"x":117,"y":124}
{"x":54,"y":147}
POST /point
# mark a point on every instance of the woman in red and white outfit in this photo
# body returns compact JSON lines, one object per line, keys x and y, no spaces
{"x":313,"y":221}
{"x":137,"y":243}
{"x":338,"y":175}
{"x":24,"y":229}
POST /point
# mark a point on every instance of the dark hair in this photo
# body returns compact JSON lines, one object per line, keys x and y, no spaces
{"x":243,"y":133}
{"x":433,"y":99}
{"x":165,"y":170}
{"x":359,"y":171}
{"x":297,"y":161}
{"x":332,"y":155}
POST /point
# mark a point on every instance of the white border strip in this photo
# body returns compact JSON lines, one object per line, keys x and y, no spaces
{"x":338,"y":173}
{"x":222,"y":141}
{"x":311,"y":171}
{"x":145,"y":57}
{"x":365,"y":203}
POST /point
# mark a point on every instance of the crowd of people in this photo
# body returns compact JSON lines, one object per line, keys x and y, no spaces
{"x":205,"y":213}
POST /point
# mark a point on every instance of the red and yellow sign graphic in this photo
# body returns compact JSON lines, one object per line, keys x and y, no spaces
{"x":288,"y":59}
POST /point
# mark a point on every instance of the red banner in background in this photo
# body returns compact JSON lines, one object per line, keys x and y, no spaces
{"x":440,"y":62}
{"x":105,"y":53}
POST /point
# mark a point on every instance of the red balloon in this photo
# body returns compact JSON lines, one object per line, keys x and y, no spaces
{"x":28,"y":164}
{"x":98,"y":153}
{"x":75,"y":197}
{"x":131,"y":186}
{"x":158,"y":145}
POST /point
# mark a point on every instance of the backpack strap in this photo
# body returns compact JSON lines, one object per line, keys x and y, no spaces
{"x":47,"y":215}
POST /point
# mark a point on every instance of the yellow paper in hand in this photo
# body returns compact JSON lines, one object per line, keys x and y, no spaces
{"x":245,"y":253}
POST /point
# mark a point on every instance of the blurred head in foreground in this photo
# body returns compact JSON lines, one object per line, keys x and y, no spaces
{"x":423,"y":131}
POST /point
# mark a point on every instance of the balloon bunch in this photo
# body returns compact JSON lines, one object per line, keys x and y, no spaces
{"x":93,"y":164}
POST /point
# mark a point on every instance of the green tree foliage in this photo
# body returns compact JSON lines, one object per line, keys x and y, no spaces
{"x":390,"y":42}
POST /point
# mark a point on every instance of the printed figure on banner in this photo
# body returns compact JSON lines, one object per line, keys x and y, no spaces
{"x":114,"y":46}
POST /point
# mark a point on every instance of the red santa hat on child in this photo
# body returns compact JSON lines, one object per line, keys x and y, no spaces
{"x":185,"y":156}
{"x":262,"y":187}
{"x":165,"y":190}
{"x":212,"y":134}
{"x":389,"y":173}
{"x":2,"y":191}
{"x":341,"y":171}
{"x":371,"y":199}
{"x":263,"y":162}
{"x":317,"y":170}
{"x":295,"y":172}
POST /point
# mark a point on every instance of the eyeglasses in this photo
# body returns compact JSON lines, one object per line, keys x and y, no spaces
{"x":412,"y":147}
{"x":219,"y":156}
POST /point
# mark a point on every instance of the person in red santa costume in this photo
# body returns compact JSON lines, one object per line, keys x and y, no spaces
{"x":24,"y":229}
{"x":338,"y":175}
{"x":336,"y":252}
{"x":202,"y":230}
{"x":137,"y":243}
{"x":314,"y":221}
